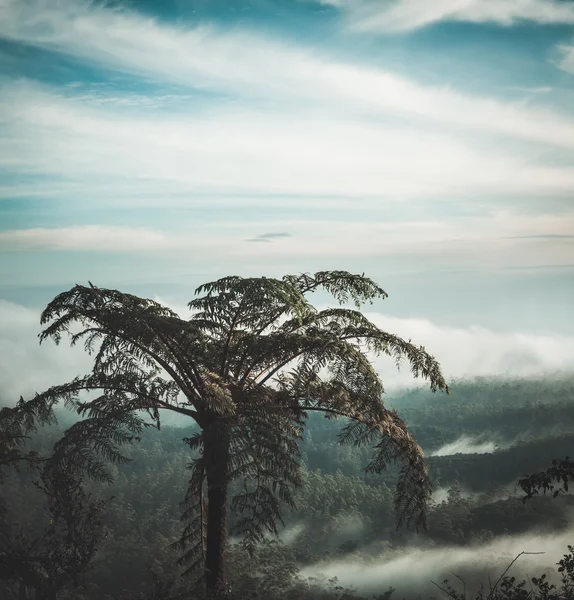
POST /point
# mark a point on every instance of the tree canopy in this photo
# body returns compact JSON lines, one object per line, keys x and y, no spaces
{"x":248,"y":366}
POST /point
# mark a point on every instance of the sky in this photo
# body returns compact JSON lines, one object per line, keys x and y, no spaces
{"x":152,"y":146}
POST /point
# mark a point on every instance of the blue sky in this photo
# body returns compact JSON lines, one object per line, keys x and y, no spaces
{"x":153,"y":145}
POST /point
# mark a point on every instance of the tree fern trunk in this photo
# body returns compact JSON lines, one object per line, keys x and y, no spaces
{"x":216,"y":452}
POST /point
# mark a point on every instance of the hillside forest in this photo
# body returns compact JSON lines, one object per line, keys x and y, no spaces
{"x":190,"y":473}
{"x":340,"y":541}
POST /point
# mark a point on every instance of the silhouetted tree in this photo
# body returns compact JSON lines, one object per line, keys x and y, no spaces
{"x":42,"y":564}
{"x":248,"y":366}
{"x":554,"y":479}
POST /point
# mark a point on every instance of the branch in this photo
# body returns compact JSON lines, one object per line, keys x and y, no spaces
{"x":447,"y":592}
{"x":489,"y":597}
{"x":230,"y":335}
{"x":561,"y":471}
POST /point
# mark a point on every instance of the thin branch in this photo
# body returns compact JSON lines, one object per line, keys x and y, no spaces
{"x":463,"y":585}
{"x":508,"y":569}
{"x":194,"y":377}
{"x":160,"y":361}
{"x":447,"y":592}
{"x":230,"y":335}
{"x":22,"y":457}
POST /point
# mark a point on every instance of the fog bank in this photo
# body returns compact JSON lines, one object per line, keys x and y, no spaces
{"x":410,"y":570}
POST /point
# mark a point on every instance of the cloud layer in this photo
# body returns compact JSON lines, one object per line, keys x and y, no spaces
{"x":437,"y":563}
{"x":477,"y":351}
{"x":404,"y":15}
{"x":245,"y":62}
{"x":501,"y":239}
{"x":27,"y":367}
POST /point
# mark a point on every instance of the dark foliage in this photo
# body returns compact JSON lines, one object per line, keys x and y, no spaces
{"x":561,"y":472}
{"x":248,"y":366}
{"x":42,"y":560}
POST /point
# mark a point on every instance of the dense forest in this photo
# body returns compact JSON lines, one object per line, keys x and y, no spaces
{"x":339,"y":541}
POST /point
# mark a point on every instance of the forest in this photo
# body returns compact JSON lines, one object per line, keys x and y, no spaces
{"x":342,"y":515}
{"x":105,"y":520}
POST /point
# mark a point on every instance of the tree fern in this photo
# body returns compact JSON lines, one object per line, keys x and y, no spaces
{"x":251,"y":362}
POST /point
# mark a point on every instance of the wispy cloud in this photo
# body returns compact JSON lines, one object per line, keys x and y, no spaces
{"x":105,"y":238}
{"x":250,"y":65}
{"x":466,"y":445}
{"x":274,"y":236}
{"x":268,"y":237}
{"x":565,"y":58}
{"x":531,"y":90}
{"x":437,"y":563}
{"x":498,"y":239}
{"x":141,"y":241}
{"x":404,"y":15}
{"x":543,"y":236}
{"x":249,"y":151}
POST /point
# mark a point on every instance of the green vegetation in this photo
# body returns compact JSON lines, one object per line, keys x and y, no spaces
{"x":342,"y":513}
{"x":249,"y":365}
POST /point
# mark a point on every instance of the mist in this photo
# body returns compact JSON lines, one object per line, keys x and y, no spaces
{"x":28,"y":367}
{"x":474,"y":563}
{"x":473,"y":351}
{"x":467,"y":445}
{"x":468,"y":352}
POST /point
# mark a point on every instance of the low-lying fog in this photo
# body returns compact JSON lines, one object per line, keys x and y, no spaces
{"x":411,"y":570}
{"x":467,"y":445}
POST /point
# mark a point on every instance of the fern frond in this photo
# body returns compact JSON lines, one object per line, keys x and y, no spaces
{"x":248,"y":366}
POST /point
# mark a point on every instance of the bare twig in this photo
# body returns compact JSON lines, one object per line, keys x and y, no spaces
{"x":463,"y":585}
{"x":506,"y":571}
{"x":443,"y":590}
{"x":530,"y":584}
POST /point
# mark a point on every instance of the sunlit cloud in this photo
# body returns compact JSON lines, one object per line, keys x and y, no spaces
{"x":404,"y":15}
{"x":248,"y":151}
{"x":250,"y":65}
{"x":565,"y":58}
{"x":476,"y":351}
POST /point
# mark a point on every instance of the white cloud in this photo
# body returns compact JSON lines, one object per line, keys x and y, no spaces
{"x":249,"y":65}
{"x":26,"y":367}
{"x":300,"y":127}
{"x":477,"y":351}
{"x":565,"y":59}
{"x":465,"y":445}
{"x":404,"y":15}
{"x":531,"y":90}
{"x":463,"y":352}
{"x":105,"y":239}
{"x":247,"y":151}
{"x":500,"y":239}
